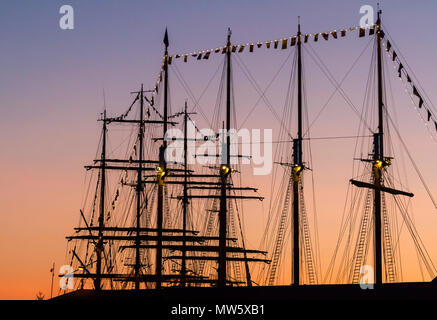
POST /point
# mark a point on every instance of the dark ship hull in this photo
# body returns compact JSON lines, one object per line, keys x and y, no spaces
{"x":263,"y":294}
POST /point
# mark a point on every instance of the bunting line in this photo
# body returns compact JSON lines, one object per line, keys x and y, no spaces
{"x":282,"y":43}
{"x":405,"y":77}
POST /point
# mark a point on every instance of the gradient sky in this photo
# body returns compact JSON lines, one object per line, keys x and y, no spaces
{"x":51,"y":84}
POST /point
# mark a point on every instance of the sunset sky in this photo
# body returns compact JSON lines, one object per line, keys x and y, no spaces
{"x":51,"y":94}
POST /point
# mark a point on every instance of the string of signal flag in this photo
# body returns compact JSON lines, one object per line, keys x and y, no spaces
{"x":403,"y":75}
{"x":282,"y":43}
{"x":288,"y":42}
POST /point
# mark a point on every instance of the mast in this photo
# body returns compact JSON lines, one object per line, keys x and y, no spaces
{"x":97,"y":281}
{"x":162,"y":171}
{"x":297,"y":163}
{"x":378,"y":160}
{"x":139,"y":190}
{"x":185,"y":201}
{"x":224,"y":172}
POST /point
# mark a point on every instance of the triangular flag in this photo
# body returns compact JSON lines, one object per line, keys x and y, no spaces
{"x":399,"y":70}
{"x":293,"y":41}
{"x":388,"y":46}
{"x":416,"y":93}
{"x":429,"y":115}
{"x":284,"y":43}
{"x":306,"y":38}
{"x":251,"y":47}
{"x":259,"y":44}
{"x":276,"y":44}
{"x":268,"y":45}
{"x":316,"y":37}
{"x":234,"y":48}
{"x":206,"y":56}
{"x":325,"y":36}
{"x":394,"y":55}
{"x":241,"y":48}
{"x":334,"y":34}
{"x":362,"y":32}
{"x":371,"y":31}
{"x":343,"y":33}
{"x":185,"y":58}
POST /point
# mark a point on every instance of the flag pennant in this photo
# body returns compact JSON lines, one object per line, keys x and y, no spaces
{"x":362,"y":32}
{"x":241,"y":48}
{"x":206,"y":56}
{"x":185,"y":58}
{"x":381,"y":34}
{"x":394,"y":56}
{"x":408,"y":78}
{"x":199,"y":56}
{"x":316,"y":37}
{"x":400,"y":70}
{"x":259,"y":44}
{"x":276,"y":44}
{"x":306,"y":38}
{"x":334,"y":34}
{"x":170,"y":58}
{"x":251,"y":47}
{"x":325,"y":35}
{"x":284,"y":43}
{"x":429,"y":114}
{"x":224,"y":50}
{"x":268,"y":45}
{"x":416,"y":93}
{"x":435,"y":123}
{"x":234,"y":48}
{"x":217,"y":50}
{"x":388,"y":46}
{"x":177,"y":56}
{"x":343,"y":33}
{"x":293,"y":41}
{"x":371,"y":31}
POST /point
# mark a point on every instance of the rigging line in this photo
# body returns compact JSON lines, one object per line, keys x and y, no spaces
{"x":263,"y":95}
{"x":315,"y":213}
{"x":416,"y":238}
{"x":256,"y":86}
{"x":197,"y":101}
{"x":337,"y":137}
{"x":337,"y":87}
{"x":408,"y":66}
{"x":319,"y":62}
{"x":413,"y":163}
